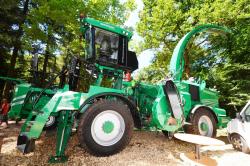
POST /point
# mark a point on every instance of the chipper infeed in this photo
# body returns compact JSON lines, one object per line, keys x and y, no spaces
{"x":108,"y":112}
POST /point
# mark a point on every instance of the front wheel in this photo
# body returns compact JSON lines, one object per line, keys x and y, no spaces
{"x":51,"y":123}
{"x":239,"y":143}
{"x":203,"y":123}
{"x":105,"y":127}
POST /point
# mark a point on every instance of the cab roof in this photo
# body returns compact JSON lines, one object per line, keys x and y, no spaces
{"x":106,"y":26}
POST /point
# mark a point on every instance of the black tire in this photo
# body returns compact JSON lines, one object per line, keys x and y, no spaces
{"x":86,"y":130}
{"x":51,"y":123}
{"x":168,"y":134}
{"x":202,"y":117}
{"x":239,"y":143}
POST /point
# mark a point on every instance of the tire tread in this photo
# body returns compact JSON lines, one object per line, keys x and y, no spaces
{"x":84,"y":129}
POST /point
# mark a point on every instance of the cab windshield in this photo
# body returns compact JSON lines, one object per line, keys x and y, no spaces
{"x":106,"y":44}
{"x":102,"y":45}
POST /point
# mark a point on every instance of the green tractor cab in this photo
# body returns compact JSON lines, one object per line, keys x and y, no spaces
{"x":108,"y":46}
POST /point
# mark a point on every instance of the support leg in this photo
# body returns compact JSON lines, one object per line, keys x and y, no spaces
{"x":64,"y":126}
{"x":27,"y":121}
{"x":197,"y":152}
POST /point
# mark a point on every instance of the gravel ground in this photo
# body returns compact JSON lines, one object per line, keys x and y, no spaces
{"x":145,"y":148}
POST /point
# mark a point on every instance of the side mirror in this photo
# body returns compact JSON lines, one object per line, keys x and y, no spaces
{"x":238,"y":116}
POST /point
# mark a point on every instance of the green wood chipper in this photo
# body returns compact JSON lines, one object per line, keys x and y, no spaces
{"x":106,"y":115}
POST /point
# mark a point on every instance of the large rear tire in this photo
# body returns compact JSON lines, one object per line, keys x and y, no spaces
{"x":105,"y":127}
{"x":203,"y":123}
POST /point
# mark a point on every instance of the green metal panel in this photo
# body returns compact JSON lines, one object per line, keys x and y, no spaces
{"x":160,"y":110}
{"x":64,"y":100}
{"x":24,"y":98}
{"x":13,"y":80}
{"x":20,"y":94}
{"x":208,"y":97}
{"x":153,"y":107}
{"x":177,"y":61}
{"x":222,"y":117}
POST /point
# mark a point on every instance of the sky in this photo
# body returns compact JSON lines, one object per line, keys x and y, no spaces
{"x":145,"y":57}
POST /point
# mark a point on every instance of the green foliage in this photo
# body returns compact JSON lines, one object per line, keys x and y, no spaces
{"x":51,"y":29}
{"x":220,"y":60}
{"x":9,"y":13}
{"x":56,"y":23}
{"x":153,"y":74}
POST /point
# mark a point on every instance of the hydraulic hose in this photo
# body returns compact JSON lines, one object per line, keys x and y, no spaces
{"x":64,"y":70}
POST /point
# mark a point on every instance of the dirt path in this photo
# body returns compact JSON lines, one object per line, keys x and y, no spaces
{"x":145,"y":148}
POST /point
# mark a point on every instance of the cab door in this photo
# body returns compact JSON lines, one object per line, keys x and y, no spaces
{"x":245,"y":114}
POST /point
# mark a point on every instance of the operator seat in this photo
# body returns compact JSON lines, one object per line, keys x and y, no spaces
{"x":105,"y":49}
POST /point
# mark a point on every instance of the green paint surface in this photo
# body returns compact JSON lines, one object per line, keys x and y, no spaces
{"x":204,"y":127}
{"x":108,"y":127}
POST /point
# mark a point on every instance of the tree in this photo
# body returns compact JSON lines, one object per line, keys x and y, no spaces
{"x":55,"y":25}
{"x":220,"y":60}
{"x":13,"y":13}
{"x":50,"y":29}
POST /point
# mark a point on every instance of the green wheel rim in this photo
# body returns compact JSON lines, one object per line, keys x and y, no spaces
{"x":204,"y":127}
{"x":108,"y":127}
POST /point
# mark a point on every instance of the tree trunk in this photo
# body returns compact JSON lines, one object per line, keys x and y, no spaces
{"x":45,"y":64}
{"x":7,"y":86}
{"x":46,"y":59}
